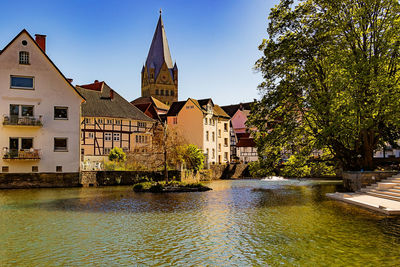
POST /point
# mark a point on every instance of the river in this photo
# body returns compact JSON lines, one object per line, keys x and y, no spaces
{"x":238,"y":223}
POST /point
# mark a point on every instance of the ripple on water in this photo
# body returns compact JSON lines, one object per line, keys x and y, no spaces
{"x":242,"y":223}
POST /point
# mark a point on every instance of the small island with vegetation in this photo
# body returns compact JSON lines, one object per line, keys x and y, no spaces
{"x":169,"y":187}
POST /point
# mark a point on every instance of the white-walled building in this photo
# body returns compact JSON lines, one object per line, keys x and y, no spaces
{"x":40,"y":111}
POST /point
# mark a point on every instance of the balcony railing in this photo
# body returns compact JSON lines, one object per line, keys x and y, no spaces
{"x":22,"y":121}
{"x":22,"y":154}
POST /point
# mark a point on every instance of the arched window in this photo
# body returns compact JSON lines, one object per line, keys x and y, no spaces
{"x":162,"y":91}
{"x":166,"y":92}
{"x":24,"y":57}
{"x":156,"y":91}
{"x":172,"y":93}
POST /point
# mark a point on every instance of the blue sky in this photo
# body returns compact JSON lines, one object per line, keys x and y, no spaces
{"x":214,"y":42}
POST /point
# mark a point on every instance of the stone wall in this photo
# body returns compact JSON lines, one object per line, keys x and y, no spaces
{"x":354,"y":181}
{"x":36,"y":180}
{"x":230,"y":171}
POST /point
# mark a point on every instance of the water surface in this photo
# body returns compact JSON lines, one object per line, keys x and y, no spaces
{"x":239,"y":223}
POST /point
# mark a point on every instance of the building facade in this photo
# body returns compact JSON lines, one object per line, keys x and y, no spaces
{"x":40,"y":111}
{"x":159,"y":74}
{"x":109,"y":121}
{"x":203,"y":124}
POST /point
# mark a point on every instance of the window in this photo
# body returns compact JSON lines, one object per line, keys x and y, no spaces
{"x":219,"y":147}
{"x":213,"y":136}
{"x":213,"y":153}
{"x":141,"y":124}
{"x":110,"y":121}
{"x":118,"y":122}
{"x":225,"y":127}
{"x":162,"y":92}
{"x":207,"y":151}
{"x":219,"y":132}
{"x":206,"y":135}
{"x":175,"y":120}
{"x":226,"y":156}
{"x":87,"y":120}
{"x":61,"y":113}
{"x":24,"y":57}
{"x":100,"y":121}
{"x":225,"y":141}
{"x":205,"y":121}
{"x":22,"y":82}
{"x":90,"y":135}
{"x":58,"y":168}
{"x":35,"y":168}
{"x":27,"y":111}
{"x":26,"y":143}
{"x":156,"y":91}
{"x":172,"y":93}
{"x":4,"y":169}
{"x":117,"y":136}
{"x":107,"y":150}
{"x":166,"y":92}
{"x":60,"y":144}
{"x":107,"y":136}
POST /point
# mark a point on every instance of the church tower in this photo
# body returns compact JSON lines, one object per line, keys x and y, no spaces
{"x":159,"y":75}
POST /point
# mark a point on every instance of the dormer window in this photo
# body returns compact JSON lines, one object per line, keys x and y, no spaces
{"x":24,"y":57}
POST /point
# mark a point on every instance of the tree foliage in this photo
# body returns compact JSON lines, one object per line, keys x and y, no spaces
{"x":117,"y":155}
{"x":193,"y":157}
{"x":331,"y":80}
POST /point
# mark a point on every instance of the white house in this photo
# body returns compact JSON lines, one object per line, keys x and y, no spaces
{"x":40,"y":111}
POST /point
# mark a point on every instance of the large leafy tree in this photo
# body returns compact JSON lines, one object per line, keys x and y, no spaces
{"x":331,"y":80}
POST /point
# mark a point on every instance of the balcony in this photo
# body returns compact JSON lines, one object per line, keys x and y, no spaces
{"x":22,"y":121}
{"x":22,"y":154}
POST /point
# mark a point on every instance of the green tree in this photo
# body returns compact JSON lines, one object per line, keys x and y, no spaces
{"x":331,"y":80}
{"x":117,"y":155}
{"x":193,"y":157}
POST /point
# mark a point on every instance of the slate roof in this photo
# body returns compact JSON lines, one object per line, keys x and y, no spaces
{"x":231,"y":109}
{"x":202,"y":104}
{"x":175,"y":108}
{"x":99,"y":104}
{"x":159,"y":50}
{"x":150,"y":99}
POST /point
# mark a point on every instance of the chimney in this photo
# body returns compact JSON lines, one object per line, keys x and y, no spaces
{"x":70,"y":80}
{"x":96,"y":81}
{"x":111,"y":94}
{"x":41,"y":41}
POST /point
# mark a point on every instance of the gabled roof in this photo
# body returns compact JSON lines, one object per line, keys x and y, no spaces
{"x":218,"y":111}
{"x":246,"y":142}
{"x":149,"y":99}
{"x":175,"y":108}
{"x":97,"y":86}
{"x":99,"y":104}
{"x":159,"y":50}
{"x":149,"y":110}
{"x":47,"y":57}
{"x":231,"y":109}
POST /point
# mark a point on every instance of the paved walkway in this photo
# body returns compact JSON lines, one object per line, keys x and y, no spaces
{"x":386,"y":206}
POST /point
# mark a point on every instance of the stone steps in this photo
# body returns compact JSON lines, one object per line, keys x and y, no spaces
{"x":388,"y":188}
{"x":383,"y":194}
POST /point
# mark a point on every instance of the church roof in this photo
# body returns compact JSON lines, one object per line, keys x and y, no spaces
{"x":159,"y":50}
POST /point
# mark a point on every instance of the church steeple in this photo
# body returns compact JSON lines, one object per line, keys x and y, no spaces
{"x":159,"y":76}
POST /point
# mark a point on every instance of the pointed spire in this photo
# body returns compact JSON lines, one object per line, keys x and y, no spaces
{"x":159,"y":49}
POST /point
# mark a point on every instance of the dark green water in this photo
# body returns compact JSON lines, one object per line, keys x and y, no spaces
{"x":239,"y":223}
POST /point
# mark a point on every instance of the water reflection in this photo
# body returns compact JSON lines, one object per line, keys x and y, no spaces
{"x":243,"y":223}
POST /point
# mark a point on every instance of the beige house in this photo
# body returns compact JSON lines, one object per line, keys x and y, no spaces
{"x":204,"y":124}
{"x":109,"y":121}
{"x":40,"y":111}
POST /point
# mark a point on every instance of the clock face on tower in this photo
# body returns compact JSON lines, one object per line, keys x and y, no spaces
{"x":163,"y":78}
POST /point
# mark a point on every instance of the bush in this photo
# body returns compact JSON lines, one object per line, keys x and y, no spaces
{"x":117,"y":155}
